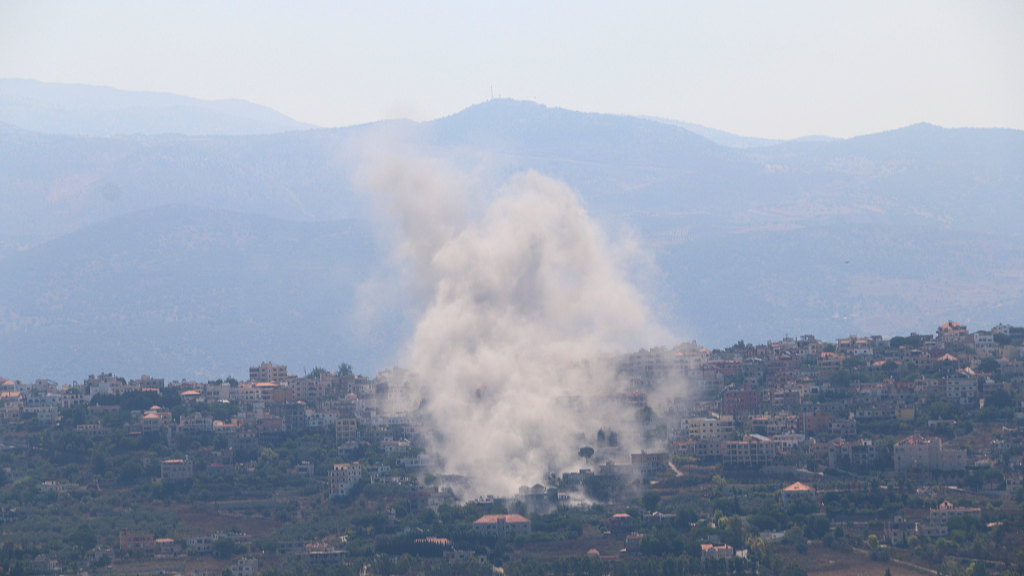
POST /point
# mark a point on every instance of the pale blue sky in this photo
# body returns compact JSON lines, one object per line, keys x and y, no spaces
{"x":776,"y":69}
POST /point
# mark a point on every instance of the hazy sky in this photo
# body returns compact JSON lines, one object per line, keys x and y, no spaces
{"x":775,"y":69}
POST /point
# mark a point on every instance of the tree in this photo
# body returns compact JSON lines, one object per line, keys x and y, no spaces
{"x":817,"y":526}
{"x":344,"y":370}
{"x":989,"y":364}
{"x":83,"y":539}
{"x":650,"y":501}
{"x":223,"y":548}
{"x":613,"y":439}
{"x":840,"y":378}
{"x":586,"y":452}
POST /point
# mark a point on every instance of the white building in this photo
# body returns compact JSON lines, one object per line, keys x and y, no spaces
{"x":343,"y":477}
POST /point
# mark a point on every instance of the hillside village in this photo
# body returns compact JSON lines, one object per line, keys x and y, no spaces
{"x":754,"y":459}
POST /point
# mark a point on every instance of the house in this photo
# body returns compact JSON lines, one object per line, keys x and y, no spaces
{"x":200,"y":544}
{"x":620,"y":524}
{"x":196,"y":422}
{"x":632,"y":545}
{"x":899,"y":530}
{"x":305,"y":468}
{"x":247,"y":566}
{"x":797,"y":490}
{"x":136,"y":542}
{"x":715,"y":552}
{"x":945,"y":511}
{"x":44,"y":564}
{"x":650,"y":464}
{"x":166,"y":547}
{"x":502,"y":525}
{"x":155,"y":419}
{"x":175,"y":469}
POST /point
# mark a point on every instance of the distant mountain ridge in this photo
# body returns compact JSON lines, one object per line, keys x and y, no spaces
{"x":109,"y":246}
{"x":102,"y":111}
{"x":718,"y":136}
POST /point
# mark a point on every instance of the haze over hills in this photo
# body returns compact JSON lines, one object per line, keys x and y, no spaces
{"x":101,"y":111}
{"x":196,"y":255}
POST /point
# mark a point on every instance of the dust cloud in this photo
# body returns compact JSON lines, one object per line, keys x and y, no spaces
{"x":523,"y":303}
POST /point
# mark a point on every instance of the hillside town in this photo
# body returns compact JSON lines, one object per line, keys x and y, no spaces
{"x":753,"y":459}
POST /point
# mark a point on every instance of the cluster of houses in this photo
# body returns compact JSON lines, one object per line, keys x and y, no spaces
{"x":774,"y":400}
{"x":900,"y":529}
{"x":771,"y":403}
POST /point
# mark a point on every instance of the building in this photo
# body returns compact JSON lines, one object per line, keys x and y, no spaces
{"x":708,"y":428}
{"x":856,"y":453}
{"x":620,"y":524}
{"x":175,"y":469}
{"x":715,"y":552}
{"x":740,"y":401}
{"x":267,"y":372}
{"x":899,"y":530}
{"x":502,"y":525}
{"x":632,"y":545}
{"x":346,"y":429}
{"x":343,"y":477}
{"x":650,"y":464}
{"x":797,"y":490}
{"x":918,"y":453}
{"x":844,"y":427}
{"x":247,"y":566}
{"x":136,"y":542}
{"x":953,"y":332}
{"x":200,"y":544}
{"x":166,"y":547}
{"x":962,"y":389}
{"x":809,"y":423}
{"x":196,"y":422}
{"x":753,"y":450}
{"x":945,"y":511}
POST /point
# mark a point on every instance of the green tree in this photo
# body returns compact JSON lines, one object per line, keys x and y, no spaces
{"x":650,"y":501}
{"x":586,"y":452}
{"x":613,"y":439}
{"x":223,"y":548}
{"x":83,"y":539}
{"x":989,"y":364}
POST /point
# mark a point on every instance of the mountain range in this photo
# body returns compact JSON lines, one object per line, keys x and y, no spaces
{"x":196,"y":253}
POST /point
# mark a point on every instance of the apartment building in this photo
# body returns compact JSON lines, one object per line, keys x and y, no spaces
{"x":709,"y":428}
{"x":343,"y":477}
{"x":916,"y":452}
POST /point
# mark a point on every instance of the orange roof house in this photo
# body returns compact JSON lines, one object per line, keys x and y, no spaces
{"x":797,"y":489}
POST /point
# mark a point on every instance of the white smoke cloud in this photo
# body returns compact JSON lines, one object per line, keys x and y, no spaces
{"x":520,"y":302}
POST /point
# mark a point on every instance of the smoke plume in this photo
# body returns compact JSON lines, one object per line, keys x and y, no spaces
{"x":522,"y":301}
